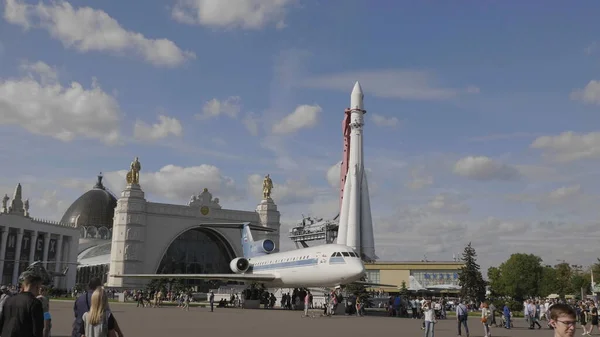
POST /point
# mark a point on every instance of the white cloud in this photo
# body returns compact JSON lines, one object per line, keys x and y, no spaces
{"x":229,"y":107}
{"x":386,"y":83}
{"x":565,"y":201}
{"x":51,"y":205}
{"x":86,"y":29}
{"x":290,"y":192}
{"x":251,"y":123}
{"x":177,"y":183}
{"x":419,"y":179}
{"x":383,"y":121}
{"x":305,"y":116}
{"x":245,"y":14}
{"x":165,"y":127}
{"x":569,"y":146}
{"x":448,"y":204}
{"x":46,"y":73}
{"x":590,"y":94}
{"x":473,"y":89}
{"x":484,"y":168}
{"x":503,"y":136}
{"x":47,"y":108}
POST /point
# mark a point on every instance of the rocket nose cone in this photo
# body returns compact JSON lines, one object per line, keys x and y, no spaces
{"x":357,"y":88}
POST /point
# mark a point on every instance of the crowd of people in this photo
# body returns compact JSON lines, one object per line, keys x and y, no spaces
{"x":561,"y":316}
{"x":25,"y":311}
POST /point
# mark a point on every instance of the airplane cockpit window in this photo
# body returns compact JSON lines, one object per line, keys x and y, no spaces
{"x":345,"y":254}
{"x":352,"y":254}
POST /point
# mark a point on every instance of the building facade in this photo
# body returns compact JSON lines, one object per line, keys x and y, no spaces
{"x":416,"y":275}
{"x":161,"y":238}
{"x":143,"y":237}
{"x":24,"y":240}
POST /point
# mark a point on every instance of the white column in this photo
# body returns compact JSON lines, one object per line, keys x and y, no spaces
{"x":3,"y":247}
{"x":71,"y":258}
{"x":15,"y":278}
{"x":46,"y":247}
{"x":58,"y":259}
{"x":33,"y":243}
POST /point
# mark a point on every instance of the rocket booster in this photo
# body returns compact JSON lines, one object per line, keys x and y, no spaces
{"x":355,"y":224}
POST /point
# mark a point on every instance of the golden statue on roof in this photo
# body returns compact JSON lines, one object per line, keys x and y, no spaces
{"x":267,"y":187}
{"x":133,"y":176}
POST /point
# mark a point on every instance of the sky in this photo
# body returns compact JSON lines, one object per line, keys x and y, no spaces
{"x":481,"y":126}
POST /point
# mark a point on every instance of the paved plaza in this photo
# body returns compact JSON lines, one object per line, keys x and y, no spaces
{"x":171,"y":321}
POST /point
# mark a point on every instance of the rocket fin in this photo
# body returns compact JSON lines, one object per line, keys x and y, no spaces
{"x":367,"y":239}
{"x":343,"y":223}
{"x":354,"y":211}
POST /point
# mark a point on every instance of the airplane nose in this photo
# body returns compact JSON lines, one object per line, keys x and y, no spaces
{"x":359,"y":270}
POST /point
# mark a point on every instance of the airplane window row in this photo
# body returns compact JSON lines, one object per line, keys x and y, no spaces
{"x":346,"y":254}
{"x":289,"y":259}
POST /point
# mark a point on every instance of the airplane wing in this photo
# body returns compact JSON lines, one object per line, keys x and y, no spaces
{"x":224,"y":277}
{"x":371,"y":284}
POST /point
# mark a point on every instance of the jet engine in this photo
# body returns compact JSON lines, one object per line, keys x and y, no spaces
{"x":239,"y":265}
{"x":266,"y":246}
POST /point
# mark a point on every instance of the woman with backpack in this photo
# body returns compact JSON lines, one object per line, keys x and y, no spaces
{"x":98,"y":321}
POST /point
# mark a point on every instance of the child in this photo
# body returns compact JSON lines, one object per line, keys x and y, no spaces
{"x":46,"y":307}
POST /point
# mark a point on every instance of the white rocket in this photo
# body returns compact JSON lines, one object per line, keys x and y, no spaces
{"x":355,"y":222}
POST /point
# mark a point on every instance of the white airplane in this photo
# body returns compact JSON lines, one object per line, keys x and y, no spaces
{"x":329,"y":265}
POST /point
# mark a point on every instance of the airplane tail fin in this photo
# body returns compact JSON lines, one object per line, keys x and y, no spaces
{"x":247,"y":241}
{"x":253,"y":248}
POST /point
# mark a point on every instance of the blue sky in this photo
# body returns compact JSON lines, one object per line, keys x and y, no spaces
{"x":469,"y":106}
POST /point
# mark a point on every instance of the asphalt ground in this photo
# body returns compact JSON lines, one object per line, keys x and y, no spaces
{"x":172,"y":321}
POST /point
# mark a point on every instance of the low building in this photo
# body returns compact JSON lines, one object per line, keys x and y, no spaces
{"x":25,"y":239}
{"x":439,"y":275}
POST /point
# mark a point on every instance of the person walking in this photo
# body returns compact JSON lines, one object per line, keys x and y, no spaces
{"x":99,"y":321}
{"x":211,"y":299}
{"x":22,"y":314}
{"x":46,"y":307}
{"x":83,"y":305}
{"x":429,"y":314}
{"x":594,"y":318}
{"x":485,"y":316}
{"x":462,"y":316}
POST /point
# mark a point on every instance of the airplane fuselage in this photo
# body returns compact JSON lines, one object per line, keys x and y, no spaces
{"x":320,"y":266}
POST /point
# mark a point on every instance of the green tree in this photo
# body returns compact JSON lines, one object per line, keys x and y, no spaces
{"x":579,"y":281}
{"x":359,"y":290}
{"x":563,"y":279}
{"x":403,"y":288}
{"x":469,"y":277}
{"x":547,"y":284}
{"x":520,"y":276}
{"x":495,"y":282}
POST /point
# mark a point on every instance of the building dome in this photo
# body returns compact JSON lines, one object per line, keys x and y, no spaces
{"x":95,"y":207}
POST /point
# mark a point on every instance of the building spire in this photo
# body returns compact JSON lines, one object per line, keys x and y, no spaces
{"x":99,"y":182}
{"x":16,"y":205}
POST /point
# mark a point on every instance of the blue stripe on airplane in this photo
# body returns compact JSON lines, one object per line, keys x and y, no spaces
{"x":287,"y":264}
{"x":337,"y":260}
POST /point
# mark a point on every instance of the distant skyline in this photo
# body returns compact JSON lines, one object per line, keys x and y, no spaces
{"x":482,"y":119}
